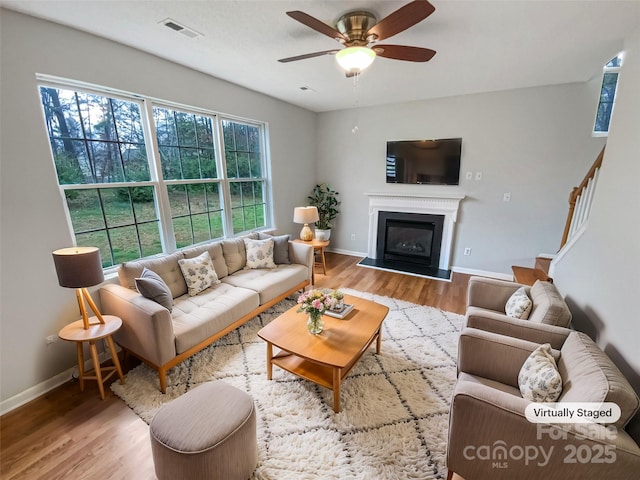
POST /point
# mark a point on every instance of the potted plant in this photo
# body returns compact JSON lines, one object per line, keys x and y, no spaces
{"x":324,"y":198}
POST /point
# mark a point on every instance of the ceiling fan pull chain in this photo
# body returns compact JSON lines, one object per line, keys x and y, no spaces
{"x":356,"y":78}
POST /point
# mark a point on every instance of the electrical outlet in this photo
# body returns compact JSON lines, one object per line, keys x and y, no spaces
{"x":506,"y":197}
{"x":467,"y":251}
{"x":51,"y":339}
{"x":478,"y":176}
{"x":469,"y":176}
{"x":353,"y":236}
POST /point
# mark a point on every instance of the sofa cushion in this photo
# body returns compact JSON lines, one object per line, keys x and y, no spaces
{"x":151,"y":285}
{"x":548,"y":305}
{"x":216,"y":254}
{"x":269,"y":283}
{"x":518,"y":305}
{"x":280,"y":247}
{"x":259,"y":253}
{"x":165,"y":265}
{"x":234,"y":251}
{"x":197,"y":318}
{"x":589,"y":375}
{"x":198,"y":273}
{"x":539,"y":380}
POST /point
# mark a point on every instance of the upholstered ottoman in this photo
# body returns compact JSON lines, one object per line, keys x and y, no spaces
{"x":207,"y":433}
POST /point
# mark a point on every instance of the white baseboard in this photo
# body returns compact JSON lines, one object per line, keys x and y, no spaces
{"x":43,"y":387}
{"x":483,"y":273}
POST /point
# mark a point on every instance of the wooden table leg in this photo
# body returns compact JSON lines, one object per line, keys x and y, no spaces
{"x":80,"y":365}
{"x":336,"y":390}
{"x":324,"y":263}
{"x":269,"y":358}
{"x":115,"y":359}
{"x":378,"y":341}
{"x":96,"y":366}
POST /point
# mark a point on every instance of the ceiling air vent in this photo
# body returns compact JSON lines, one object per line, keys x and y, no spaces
{"x":175,"y":26}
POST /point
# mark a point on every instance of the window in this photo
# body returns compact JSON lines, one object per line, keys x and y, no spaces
{"x":607,"y":96}
{"x":200,"y":177}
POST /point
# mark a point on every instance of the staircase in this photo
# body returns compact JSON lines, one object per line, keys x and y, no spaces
{"x":580,"y":200}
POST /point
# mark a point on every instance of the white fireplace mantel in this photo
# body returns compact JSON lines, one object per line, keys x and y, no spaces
{"x":434,"y":204}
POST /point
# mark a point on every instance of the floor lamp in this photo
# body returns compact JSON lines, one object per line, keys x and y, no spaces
{"x":79,"y":268}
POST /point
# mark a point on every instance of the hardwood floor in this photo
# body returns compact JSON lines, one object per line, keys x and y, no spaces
{"x":67,"y":434}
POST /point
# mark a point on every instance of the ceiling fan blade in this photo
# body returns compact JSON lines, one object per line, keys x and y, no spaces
{"x":402,"y":52}
{"x":308,"y":55}
{"x":317,"y":25}
{"x":401,"y":19}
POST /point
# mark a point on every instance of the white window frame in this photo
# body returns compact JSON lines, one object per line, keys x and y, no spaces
{"x":161,"y":197}
{"x":605,"y":70}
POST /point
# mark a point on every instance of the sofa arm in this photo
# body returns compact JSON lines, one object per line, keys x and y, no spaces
{"x":492,"y":356}
{"x":490,"y":438}
{"x":146,"y":329}
{"x":490,"y":293}
{"x":514,"y":327}
{"x":302,"y":254}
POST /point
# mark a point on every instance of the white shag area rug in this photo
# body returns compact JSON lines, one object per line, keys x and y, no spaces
{"x":395,"y":406}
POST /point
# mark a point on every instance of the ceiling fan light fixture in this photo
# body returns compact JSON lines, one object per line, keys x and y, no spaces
{"x":355,"y":59}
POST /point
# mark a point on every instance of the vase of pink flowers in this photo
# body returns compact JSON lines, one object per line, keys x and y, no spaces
{"x":315,"y":303}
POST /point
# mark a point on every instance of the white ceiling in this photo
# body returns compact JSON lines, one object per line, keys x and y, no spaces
{"x":482,"y":45}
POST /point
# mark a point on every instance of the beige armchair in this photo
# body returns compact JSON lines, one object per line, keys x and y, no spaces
{"x":547,"y":322}
{"x":491,"y":438}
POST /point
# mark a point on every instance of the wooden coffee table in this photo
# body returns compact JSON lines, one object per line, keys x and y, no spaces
{"x":325,"y":359}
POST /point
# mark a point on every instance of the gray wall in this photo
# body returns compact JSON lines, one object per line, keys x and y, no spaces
{"x":534,"y":143}
{"x":32,"y":305}
{"x":600,"y":274}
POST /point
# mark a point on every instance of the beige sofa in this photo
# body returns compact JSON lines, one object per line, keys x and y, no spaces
{"x":486,"y":300}
{"x":490,"y":436}
{"x":161,"y":338}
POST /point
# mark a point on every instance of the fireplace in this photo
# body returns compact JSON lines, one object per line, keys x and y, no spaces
{"x":410,"y":237}
{"x":428,"y":228}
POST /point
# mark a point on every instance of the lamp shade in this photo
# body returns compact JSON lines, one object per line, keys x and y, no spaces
{"x":305,"y":215}
{"x":355,"y":59}
{"x":78,"y":267}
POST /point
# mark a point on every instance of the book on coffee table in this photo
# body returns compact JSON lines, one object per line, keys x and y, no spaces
{"x":346,"y":308}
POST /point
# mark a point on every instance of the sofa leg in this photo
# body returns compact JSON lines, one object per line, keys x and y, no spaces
{"x":162,"y":376}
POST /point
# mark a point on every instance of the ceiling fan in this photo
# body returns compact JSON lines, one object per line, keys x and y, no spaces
{"x":359,"y":31}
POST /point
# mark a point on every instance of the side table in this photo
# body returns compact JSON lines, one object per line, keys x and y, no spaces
{"x":318,"y":246}
{"x":75,"y":332}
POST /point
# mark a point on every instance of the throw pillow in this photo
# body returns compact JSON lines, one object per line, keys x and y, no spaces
{"x":259,"y":253}
{"x":519,"y":305}
{"x":199,"y":273}
{"x":151,"y":286}
{"x":539,"y":379}
{"x":280,"y":248}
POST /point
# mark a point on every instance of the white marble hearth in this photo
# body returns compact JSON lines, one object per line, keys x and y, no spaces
{"x":433,"y":204}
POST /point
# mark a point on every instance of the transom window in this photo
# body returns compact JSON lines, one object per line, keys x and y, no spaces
{"x":200,"y":176}
{"x":607,"y":96}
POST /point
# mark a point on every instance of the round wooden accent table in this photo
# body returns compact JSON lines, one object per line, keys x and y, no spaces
{"x":318,"y":246}
{"x":75,"y":332}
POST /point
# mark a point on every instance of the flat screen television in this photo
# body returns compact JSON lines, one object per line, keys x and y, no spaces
{"x":426,"y":162}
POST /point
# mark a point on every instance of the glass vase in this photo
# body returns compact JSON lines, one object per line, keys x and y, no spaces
{"x":315,"y":325}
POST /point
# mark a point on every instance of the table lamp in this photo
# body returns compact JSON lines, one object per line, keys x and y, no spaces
{"x":305,"y":215}
{"x":80,"y":267}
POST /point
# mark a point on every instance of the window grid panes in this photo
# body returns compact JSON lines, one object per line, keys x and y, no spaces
{"x":607,"y":95}
{"x":104,"y":162}
{"x":243,"y":156}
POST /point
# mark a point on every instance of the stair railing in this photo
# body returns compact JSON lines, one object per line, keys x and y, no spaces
{"x":580,"y":201}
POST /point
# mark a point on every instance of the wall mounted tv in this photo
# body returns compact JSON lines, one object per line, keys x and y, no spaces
{"x":427,"y":162}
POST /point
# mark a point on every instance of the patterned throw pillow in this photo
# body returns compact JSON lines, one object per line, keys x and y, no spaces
{"x":151,"y":285}
{"x":280,"y":247}
{"x":519,"y":305}
{"x":199,"y":273}
{"x":259,"y":253}
{"x":539,"y":379}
